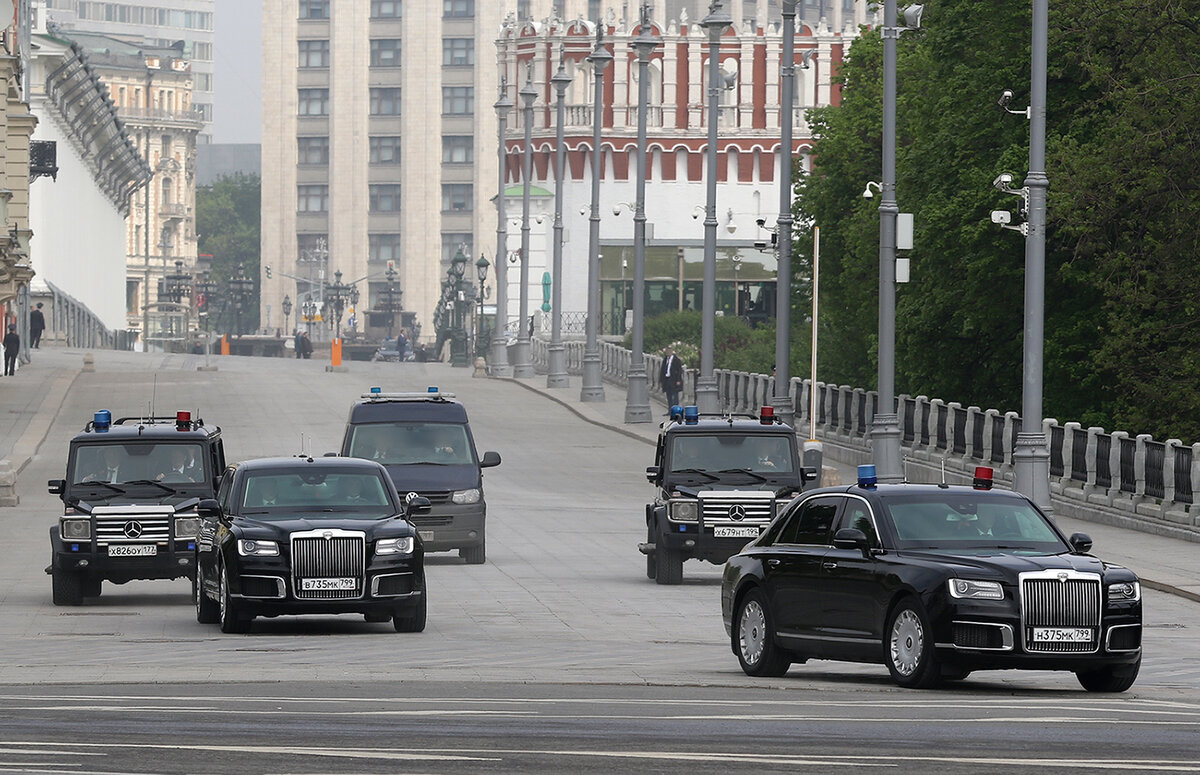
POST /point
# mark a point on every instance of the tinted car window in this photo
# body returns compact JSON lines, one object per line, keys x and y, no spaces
{"x":811,"y":524}
{"x":412,"y":443}
{"x":954,"y":520}
{"x":116,"y":463}
{"x":314,"y":493}
{"x":719,"y":451}
{"x":858,"y":517}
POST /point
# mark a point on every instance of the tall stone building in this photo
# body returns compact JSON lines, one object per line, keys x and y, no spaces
{"x":378,"y":135}
{"x":16,"y":125}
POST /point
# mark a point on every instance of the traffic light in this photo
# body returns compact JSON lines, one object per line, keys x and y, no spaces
{"x":268,"y":268}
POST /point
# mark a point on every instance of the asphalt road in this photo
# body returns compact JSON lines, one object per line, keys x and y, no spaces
{"x":557,"y":653}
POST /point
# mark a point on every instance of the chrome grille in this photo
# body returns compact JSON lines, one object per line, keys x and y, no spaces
{"x":1061,"y":599}
{"x":715,"y":508}
{"x":328,"y":554}
{"x":132,"y":529}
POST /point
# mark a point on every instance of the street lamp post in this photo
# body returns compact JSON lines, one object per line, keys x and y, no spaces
{"x":556,"y":372}
{"x":500,"y":364}
{"x":707,"y":400}
{"x":286,"y":306}
{"x":783,"y":223}
{"x":524,"y":365}
{"x":637,"y":396}
{"x":241,"y":288}
{"x":390,"y":299}
{"x":338,"y":294}
{"x":481,"y":272}
{"x":592,"y":387}
{"x":456,"y":305}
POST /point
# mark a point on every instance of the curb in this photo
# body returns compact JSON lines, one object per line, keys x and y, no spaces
{"x":571,"y":408}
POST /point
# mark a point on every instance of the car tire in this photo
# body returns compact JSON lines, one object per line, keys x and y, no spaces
{"x":754,"y":638}
{"x":230,"y":617}
{"x":908,"y":647}
{"x":474,"y":555}
{"x":651,"y":562}
{"x":954,"y":673}
{"x":668,"y":566}
{"x":414,"y":619}
{"x":67,"y":587}
{"x":208,"y":611}
{"x":1111,"y":678}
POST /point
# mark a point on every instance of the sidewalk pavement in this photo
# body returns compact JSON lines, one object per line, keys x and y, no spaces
{"x":1165,"y":564}
{"x":29,"y":401}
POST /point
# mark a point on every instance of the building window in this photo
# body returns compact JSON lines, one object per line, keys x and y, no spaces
{"x":312,"y":199}
{"x":458,"y":197}
{"x":383,"y":247}
{"x":385,"y":52}
{"x":451,"y":242}
{"x":459,"y":9}
{"x":314,"y":53}
{"x":458,"y":52}
{"x":523,"y":10}
{"x":314,"y":102}
{"x":314,"y":9}
{"x":384,"y":150}
{"x":309,"y":253}
{"x":385,"y":102}
{"x":458,"y":100}
{"x":313,"y":150}
{"x":385,"y":198}
{"x":385,"y":9}
{"x":458,"y":149}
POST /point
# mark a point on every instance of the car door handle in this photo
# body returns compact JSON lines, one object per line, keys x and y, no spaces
{"x":773,"y":563}
{"x":829,"y":565}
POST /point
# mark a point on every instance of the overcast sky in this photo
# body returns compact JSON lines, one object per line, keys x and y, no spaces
{"x":237,"y":62}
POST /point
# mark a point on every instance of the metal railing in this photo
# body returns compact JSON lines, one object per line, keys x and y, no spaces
{"x":70,"y":322}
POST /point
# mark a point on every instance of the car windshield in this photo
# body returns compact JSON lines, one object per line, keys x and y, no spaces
{"x":175,"y":464}
{"x":316,"y":495}
{"x":972,"y":521}
{"x":410,"y":443}
{"x":764,"y":454}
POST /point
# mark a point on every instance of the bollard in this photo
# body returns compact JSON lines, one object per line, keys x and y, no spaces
{"x":480,"y":368}
{"x":8,"y":484}
{"x":224,"y":344}
{"x":335,"y":352}
{"x":89,"y":362}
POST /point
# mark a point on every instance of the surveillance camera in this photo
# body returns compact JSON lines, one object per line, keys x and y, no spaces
{"x":1005,"y":98}
{"x":1002,"y":181}
{"x":760,"y":244}
{"x":583,"y":210}
{"x":616,"y":209}
{"x":761,"y":222}
{"x":695,"y":215}
{"x":1001,"y":217}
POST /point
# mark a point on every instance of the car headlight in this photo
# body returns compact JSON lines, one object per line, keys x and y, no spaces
{"x":1125,"y":592}
{"x":394,"y":545}
{"x":253,"y":547}
{"x":684,"y":511}
{"x":976,"y":590}
{"x":465,"y":496}
{"x":75,"y":529}
{"x":187,"y":527}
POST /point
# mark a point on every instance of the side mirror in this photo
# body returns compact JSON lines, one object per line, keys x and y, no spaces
{"x":57,"y":486}
{"x":652,"y":473}
{"x":208,"y":508}
{"x":810,"y":474}
{"x":852,"y":538}
{"x":490,"y":460}
{"x":417,"y":504}
{"x":1081,"y":543}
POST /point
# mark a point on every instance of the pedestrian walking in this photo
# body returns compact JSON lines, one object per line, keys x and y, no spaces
{"x":37,"y":324}
{"x":671,"y":376}
{"x":308,"y":345}
{"x":12,"y":346}
{"x":298,"y":344}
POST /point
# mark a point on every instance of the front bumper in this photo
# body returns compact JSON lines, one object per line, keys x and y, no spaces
{"x":267,"y":588}
{"x":448,"y":526}
{"x":171,"y":560}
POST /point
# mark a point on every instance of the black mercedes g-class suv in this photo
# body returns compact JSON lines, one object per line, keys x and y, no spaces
{"x":129,"y":502}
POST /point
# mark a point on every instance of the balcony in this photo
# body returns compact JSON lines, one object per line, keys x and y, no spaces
{"x":185,"y":119}
{"x":172,"y":211}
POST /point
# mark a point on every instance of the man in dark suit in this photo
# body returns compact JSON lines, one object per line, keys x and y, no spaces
{"x":671,"y":376}
{"x":12,"y":346}
{"x":37,"y":324}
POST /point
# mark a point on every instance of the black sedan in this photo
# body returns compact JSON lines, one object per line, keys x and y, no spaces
{"x":309,"y":536}
{"x":935,"y":582}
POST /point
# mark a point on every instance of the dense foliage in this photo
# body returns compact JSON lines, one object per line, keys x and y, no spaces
{"x":228,"y":225}
{"x":736,"y":345}
{"x":1122,"y":340}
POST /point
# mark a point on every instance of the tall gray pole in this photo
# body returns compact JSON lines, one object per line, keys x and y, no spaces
{"x":707,"y":400}
{"x":1031,"y":457}
{"x":637,"y":396}
{"x":524,"y":365}
{"x":885,"y":427}
{"x":593,"y":386}
{"x":500,"y":365}
{"x":556,"y":375}
{"x":783,"y":223}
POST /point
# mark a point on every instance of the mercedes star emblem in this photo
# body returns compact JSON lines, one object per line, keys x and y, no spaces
{"x":737,"y":512}
{"x":133,"y":529}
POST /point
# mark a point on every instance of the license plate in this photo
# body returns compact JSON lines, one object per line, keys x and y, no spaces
{"x":426,"y":535}
{"x":132,"y":550}
{"x":735,"y":531}
{"x":1062,"y":635}
{"x":318,"y":585}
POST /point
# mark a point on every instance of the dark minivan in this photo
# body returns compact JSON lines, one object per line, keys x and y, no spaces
{"x":424,"y":440}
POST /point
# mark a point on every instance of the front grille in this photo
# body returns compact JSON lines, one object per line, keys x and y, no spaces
{"x":755,"y":509}
{"x":1061,"y":599}
{"x":436,"y":496}
{"x":974,"y":635}
{"x":262,"y":586}
{"x":429,"y":520}
{"x":131,"y":529}
{"x":393,"y":584}
{"x":328,"y":554}
{"x":1125,"y":637}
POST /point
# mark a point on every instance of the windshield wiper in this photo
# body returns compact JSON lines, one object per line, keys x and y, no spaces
{"x":745,"y":471}
{"x":711,"y":476}
{"x":112,"y":487}
{"x":160,"y":485}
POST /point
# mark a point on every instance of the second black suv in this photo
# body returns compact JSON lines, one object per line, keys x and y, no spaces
{"x":720,"y":480}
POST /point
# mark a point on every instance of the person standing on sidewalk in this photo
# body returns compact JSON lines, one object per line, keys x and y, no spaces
{"x":12,"y":346}
{"x":37,"y":324}
{"x":671,"y":376}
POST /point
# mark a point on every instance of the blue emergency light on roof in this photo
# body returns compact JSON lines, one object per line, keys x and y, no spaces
{"x":983,"y":478}
{"x":866,"y":476}
{"x":376,"y":390}
{"x":691,"y":415}
{"x":102,"y":420}
{"x":676,"y":413}
{"x":431,"y":389}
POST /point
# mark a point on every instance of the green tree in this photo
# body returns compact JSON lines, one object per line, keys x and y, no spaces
{"x":229,"y":225}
